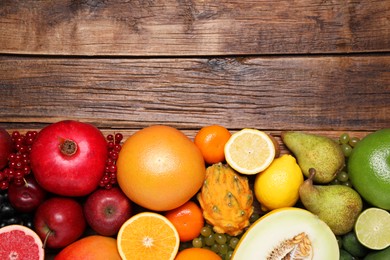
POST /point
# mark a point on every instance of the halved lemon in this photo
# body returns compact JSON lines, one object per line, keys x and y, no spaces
{"x":249,"y":151}
{"x":148,"y":235}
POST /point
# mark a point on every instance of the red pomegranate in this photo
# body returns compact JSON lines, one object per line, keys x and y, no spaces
{"x":68,"y":158}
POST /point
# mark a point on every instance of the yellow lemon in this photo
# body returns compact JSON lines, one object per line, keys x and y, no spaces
{"x":278,"y":185}
{"x":250,"y":151}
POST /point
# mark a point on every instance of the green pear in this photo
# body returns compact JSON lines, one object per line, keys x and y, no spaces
{"x":315,"y":151}
{"x":337,"y":205}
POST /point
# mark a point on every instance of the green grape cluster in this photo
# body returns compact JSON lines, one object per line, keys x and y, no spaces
{"x":222,"y":244}
{"x":347,"y":144}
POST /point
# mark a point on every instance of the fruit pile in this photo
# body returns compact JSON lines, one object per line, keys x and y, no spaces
{"x":69,"y":192}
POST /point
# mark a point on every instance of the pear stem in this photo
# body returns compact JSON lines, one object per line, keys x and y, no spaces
{"x":312,"y":173}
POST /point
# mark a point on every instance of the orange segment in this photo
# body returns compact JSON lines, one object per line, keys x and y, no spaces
{"x":148,"y":235}
{"x":249,"y":151}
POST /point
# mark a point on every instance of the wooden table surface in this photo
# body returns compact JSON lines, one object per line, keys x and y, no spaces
{"x":320,"y":66}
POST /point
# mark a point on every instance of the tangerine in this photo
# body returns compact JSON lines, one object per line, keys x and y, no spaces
{"x":196,"y":254}
{"x":187,"y":219}
{"x":211,"y":141}
{"x":160,"y":168}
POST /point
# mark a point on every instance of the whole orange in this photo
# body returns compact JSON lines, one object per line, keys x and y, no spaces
{"x":160,"y":168}
{"x":195,"y":253}
{"x":211,"y":141}
{"x":187,"y":219}
{"x":91,"y":247}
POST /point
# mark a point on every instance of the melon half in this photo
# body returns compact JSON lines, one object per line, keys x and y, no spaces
{"x":288,"y":233}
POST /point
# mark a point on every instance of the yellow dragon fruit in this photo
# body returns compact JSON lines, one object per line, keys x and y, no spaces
{"x":226,"y":199}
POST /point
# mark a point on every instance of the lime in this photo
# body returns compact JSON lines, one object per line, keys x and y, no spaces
{"x":379,"y":255}
{"x":344,"y":255}
{"x":372,"y":228}
{"x":369,"y":168}
{"x":352,"y":245}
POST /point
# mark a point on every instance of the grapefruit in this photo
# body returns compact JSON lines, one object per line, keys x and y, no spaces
{"x":94,"y":247}
{"x":160,"y":168}
{"x":20,"y":242}
{"x":195,"y":253}
{"x":369,"y":168}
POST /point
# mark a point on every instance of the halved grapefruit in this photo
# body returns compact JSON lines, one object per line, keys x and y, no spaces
{"x":20,"y":242}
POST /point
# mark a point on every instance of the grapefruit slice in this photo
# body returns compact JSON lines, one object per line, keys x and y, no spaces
{"x":20,"y":242}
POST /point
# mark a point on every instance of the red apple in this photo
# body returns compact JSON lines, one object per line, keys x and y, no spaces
{"x":61,"y":220}
{"x":6,"y":147}
{"x":26,"y":197}
{"x":68,"y":158}
{"x":106,"y":210}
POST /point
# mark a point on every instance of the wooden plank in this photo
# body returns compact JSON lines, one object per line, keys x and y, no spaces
{"x":200,"y":27}
{"x":327,"y":93}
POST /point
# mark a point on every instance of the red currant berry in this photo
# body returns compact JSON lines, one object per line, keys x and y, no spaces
{"x":118,"y":138}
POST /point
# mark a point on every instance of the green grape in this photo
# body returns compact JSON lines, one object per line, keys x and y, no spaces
{"x":233,"y":242}
{"x":348,"y":183}
{"x":197,"y":242}
{"x":342,"y":176}
{"x":228,"y":237}
{"x":206,"y":231}
{"x":347,"y":149}
{"x":353,"y":141}
{"x":210,"y":240}
{"x":215,"y":248}
{"x":223,"y":249}
{"x":229,"y":255}
{"x":254,"y":217}
{"x":220,"y":238}
{"x":335,"y":182}
{"x":344,"y":138}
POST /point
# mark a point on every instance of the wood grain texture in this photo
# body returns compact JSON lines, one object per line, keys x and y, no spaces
{"x":199,"y":27}
{"x":327,"y":93}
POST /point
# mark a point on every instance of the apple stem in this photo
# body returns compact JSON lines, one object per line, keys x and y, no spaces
{"x":25,"y":182}
{"x":68,"y":147}
{"x":47,"y":236}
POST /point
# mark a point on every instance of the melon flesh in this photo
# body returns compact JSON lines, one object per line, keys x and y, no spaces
{"x":280,"y":225}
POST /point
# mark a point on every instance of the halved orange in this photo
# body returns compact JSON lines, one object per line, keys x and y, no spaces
{"x":250,"y":151}
{"x":148,"y":235}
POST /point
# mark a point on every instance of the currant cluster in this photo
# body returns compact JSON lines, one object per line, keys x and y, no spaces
{"x":18,"y":161}
{"x":114,"y":146}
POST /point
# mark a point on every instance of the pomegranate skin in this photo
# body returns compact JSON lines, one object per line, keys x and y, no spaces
{"x":68,"y":158}
{"x":6,"y":147}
